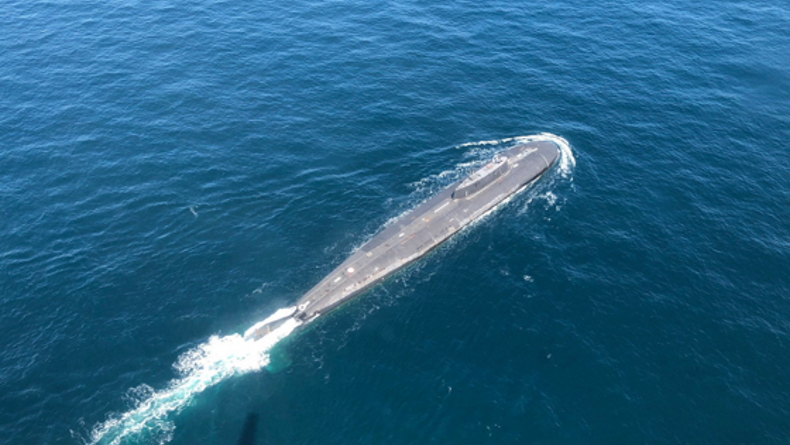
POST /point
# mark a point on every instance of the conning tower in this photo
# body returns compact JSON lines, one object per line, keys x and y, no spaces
{"x":481,"y":178}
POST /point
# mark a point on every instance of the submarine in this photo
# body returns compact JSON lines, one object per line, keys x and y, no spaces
{"x":421,"y":229}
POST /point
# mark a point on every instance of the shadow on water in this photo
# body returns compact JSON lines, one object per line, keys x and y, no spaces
{"x":248,"y":432}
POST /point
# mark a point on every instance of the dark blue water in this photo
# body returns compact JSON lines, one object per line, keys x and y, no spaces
{"x":173,"y":172}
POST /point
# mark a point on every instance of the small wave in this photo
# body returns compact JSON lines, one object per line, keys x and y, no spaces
{"x":550,"y":198}
{"x":491,"y":142}
{"x":206,"y":365}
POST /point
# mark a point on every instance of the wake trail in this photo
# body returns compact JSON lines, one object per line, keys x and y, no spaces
{"x":206,"y":365}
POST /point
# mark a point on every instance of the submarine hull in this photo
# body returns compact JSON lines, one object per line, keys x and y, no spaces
{"x":428,"y":225}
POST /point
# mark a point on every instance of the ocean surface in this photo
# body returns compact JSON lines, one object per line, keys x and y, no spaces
{"x":173,"y":172}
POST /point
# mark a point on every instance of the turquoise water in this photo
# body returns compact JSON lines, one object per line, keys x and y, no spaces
{"x":173,"y":172}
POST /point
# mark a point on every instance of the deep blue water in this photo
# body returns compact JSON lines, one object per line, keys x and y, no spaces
{"x":172,"y":172}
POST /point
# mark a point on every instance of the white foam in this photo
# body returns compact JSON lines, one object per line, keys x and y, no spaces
{"x":492,"y":142}
{"x":279,"y":314}
{"x":208,"y":364}
{"x":550,"y":198}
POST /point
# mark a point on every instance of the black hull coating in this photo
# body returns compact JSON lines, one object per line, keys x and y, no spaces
{"x":428,"y":225}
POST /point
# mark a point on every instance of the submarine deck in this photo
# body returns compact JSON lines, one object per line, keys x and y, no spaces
{"x":425,"y":227}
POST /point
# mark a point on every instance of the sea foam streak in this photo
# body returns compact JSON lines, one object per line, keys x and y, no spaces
{"x":208,"y":364}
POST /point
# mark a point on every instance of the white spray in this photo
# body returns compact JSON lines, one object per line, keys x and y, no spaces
{"x":208,"y":364}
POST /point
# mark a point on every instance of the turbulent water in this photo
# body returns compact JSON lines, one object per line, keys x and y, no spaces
{"x":172,"y":173}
